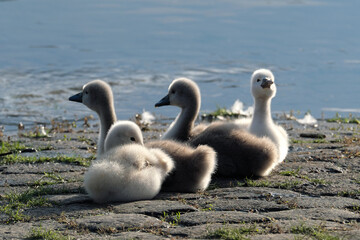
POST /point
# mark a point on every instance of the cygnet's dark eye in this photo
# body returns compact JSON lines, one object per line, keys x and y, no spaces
{"x":173,"y":91}
{"x":86,"y":92}
{"x":258,"y":80}
{"x":132,"y":139}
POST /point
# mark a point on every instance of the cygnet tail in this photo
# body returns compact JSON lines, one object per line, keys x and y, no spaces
{"x":109,"y":181}
{"x":165,"y":162}
{"x":205,"y":162}
{"x":205,"y":158}
{"x":269,"y":159}
{"x":102,"y":180}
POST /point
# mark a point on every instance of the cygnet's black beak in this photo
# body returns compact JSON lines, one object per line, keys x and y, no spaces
{"x":76,"y":97}
{"x":266,"y":83}
{"x":163,"y":102}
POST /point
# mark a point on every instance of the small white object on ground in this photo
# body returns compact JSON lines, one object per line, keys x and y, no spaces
{"x":307,"y":120}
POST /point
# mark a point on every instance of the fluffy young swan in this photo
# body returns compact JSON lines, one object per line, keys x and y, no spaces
{"x":127,"y":173}
{"x":239,"y":152}
{"x":193,"y":167}
{"x":97,"y":96}
{"x":263,"y":89}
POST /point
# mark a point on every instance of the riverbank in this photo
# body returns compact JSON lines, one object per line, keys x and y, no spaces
{"x":314,"y":193}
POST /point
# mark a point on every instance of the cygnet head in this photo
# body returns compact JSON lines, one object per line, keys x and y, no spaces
{"x":95,"y":95}
{"x":183,"y":93}
{"x":121,"y":133}
{"x":263,"y":84}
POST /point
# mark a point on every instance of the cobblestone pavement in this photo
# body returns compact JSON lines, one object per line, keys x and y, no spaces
{"x":314,"y":194}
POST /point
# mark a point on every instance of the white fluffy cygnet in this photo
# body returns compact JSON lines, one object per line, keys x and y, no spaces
{"x":263,"y":89}
{"x":239,"y":153}
{"x":127,"y":171}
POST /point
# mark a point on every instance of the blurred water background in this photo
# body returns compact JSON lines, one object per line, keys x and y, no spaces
{"x":49,"y":49}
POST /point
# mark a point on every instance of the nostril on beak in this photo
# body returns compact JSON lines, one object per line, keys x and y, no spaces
{"x":266,"y":83}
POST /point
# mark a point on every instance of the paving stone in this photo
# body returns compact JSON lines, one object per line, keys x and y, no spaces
{"x":69,"y":211}
{"x":251,"y":192}
{"x":240,"y":205}
{"x":69,"y":199}
{"x":353,"y":234}
{"x":204,"y":217}
{"x":136,"y":235}
{"x":178,"y":196}
{"x":197,"y":231}
{"x":326,"y":214}
{"x":322,"y":202}
{"x":282,"y":236}
{"x":153,"y":207}
{"x":286,"y":225}
{"x":337,"y":186}
{"x":22,"y":230}
{"x":120,"y":222}
{"x":6,"y":190}
{"x":28,"y":168}
{"x":15,"y":180}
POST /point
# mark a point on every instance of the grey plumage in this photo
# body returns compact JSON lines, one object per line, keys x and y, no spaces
{"x":240,"y":154}
{"x":97,"y":96}
{"x":193,"y":167}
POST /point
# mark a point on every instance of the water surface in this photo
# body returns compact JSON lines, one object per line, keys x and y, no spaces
{"x":49,"y":49}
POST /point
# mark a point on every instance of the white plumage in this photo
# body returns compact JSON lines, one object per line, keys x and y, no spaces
{"x":127,"y":173}
{"x":263,"y":89}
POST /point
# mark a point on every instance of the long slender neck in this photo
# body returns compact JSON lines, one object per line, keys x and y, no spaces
{"x":180,"y":129}
{"x":107,"y":118}
{"x":262,"y":114}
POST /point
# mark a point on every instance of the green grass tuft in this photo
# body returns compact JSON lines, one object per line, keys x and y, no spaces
{"x":256,"y":183}
{"x":14,"y":203}
{"x":263,"y":183}
{"x":41,"y":233}
{"x":49,"y":179}
{"x":295,"y":173}
{"x":220,"y":111}
{"x":174,"y":219}
{"x":233,"y":233}
{"x":339,"y":119}
{"x":16,"y":158}
{"x":351,"y":194}
{"x":7,"y":146}
{"x":316,"y":232}
{"x":297,"y":141}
